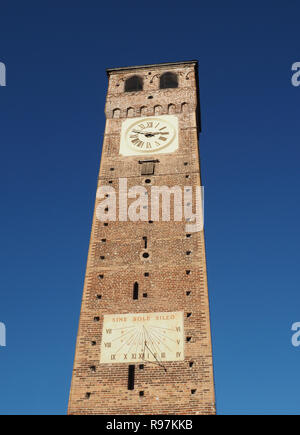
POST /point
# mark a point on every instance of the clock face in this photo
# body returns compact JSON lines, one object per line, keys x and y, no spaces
{"x":142,"y":337}
{"x":149,"y":135}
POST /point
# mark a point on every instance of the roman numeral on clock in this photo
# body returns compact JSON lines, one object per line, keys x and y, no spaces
{"x":138,"y":143}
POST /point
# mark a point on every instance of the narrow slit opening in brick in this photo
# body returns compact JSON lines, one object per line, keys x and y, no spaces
{"x":135,"y":290}
{"x":131,"y":369}
{"x":145,"y":242}
{"x":191,"y":364}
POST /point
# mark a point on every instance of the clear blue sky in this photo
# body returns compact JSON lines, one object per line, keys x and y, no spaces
{"x":52,"y":122}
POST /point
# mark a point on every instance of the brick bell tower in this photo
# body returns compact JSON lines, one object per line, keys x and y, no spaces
{"x":144,"y":343}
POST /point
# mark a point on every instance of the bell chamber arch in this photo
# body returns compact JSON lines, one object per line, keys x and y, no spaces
{"x":134,"y":84}
{"x":168,"y":80}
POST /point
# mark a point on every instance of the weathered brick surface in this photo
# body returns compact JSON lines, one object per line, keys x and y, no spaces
{"x":176,"y":281}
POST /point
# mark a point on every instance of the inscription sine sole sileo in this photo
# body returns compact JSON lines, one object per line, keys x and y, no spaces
{"x":140,"y":337}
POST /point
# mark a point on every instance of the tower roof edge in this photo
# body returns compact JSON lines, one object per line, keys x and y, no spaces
{"x":165,"y":64}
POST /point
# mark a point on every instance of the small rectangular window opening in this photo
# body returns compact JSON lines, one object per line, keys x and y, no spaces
{"x":135,"y":291}
{"x":131,"y":369}
{"x":147,"y":168}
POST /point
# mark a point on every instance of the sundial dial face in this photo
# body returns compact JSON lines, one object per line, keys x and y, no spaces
{"x":142,"y":337}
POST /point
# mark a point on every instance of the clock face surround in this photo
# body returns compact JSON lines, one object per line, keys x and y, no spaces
{"x":142,"y":337}
{"x":149,"y":135}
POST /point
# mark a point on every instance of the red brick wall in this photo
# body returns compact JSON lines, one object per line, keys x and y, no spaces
{"x":164,"y":392}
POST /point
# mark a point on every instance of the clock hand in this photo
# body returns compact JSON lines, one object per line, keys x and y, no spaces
{"x":139,"y":132}
{"x":157,"y":132}
{"x":146,"y":133}
{"x":149,"y":133}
